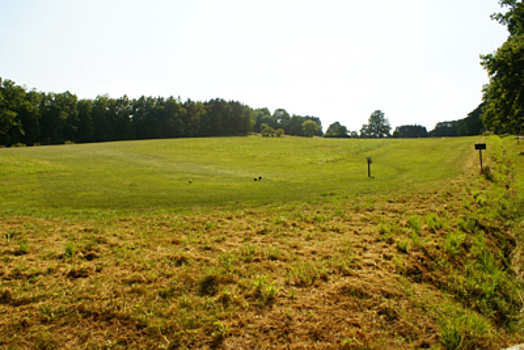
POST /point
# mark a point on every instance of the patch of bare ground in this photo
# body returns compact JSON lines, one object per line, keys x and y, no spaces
{"x":411,"y":271}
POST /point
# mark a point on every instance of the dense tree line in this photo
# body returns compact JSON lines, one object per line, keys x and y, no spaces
{"x":337,"y":130}
{"x":410,"y":131}
{"x":281,"y":120}
{"x":504,"y":95}
{"x":31,"y":117}
{"x":469,"y":126}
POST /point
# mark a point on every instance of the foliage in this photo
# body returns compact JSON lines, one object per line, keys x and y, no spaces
{"x":33,"y":118}
{"x":469,"y":126}
{"x":310,"y":128}
{"x":266,"y":130}
{"x":410,"y":131}
{"x":12,"y":101}
{"x":377,"y":127}
{"x":336,"y":130}
{"x":294,"y":127}
{"x":504,"y":95}
{"x":448,"y":128}
{"x":472,"y":124}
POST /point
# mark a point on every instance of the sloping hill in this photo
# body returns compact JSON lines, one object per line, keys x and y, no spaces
{"x":417,"y":259}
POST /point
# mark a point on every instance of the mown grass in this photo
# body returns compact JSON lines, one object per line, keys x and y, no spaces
{"x":154,"y":175}
{"x":412,"y":258}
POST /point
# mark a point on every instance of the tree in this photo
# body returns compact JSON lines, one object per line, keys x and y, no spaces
{"x":336,"y":130}
{"x":281,"y":118}
{"x":310,"y":128}
{"x":410,"y":131}
{"x":294,"y":127}
{"x":504,"y":95}
{"x":59,"y":117}
{"x":378,"y":126}
{"x":444,"y":129}
{"x":472,"y":124}
{"x":266,"y":130}
{"x":12,"y":97}
{"x":279,"y":132}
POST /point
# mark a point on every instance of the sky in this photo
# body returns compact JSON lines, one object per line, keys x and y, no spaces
{"x":340,"y":60}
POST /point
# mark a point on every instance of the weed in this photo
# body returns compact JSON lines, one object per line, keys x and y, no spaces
{"x":462,"y":331}
{"x":433,"y":222}
{"x":69,"y":250}
{"x":384,"y":229}
{"x":259,"y":282}
{"x":266,"y":291}
{"x":271,"y":291}
{"x":403,"y":245}
{"x":453,"y":242}
{"x":221,"y":330}
{"x":279,"y":220}
{"x":46,"y":312}
{"x":400,"y":264}
{"x":274,"y":252}
{"x":415,"y":239}
{"x":249,"y":252}
{"x":305,"y":274}
{"x":415,"y":224}
{"x":22,"y":247}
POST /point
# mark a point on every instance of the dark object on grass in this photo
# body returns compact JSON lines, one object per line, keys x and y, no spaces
{"x":255,"y":179}
{"x":260,"y":178}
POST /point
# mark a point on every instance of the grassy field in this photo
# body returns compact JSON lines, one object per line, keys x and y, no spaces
{"x":108,"y":246}
{"x":154,"y":175}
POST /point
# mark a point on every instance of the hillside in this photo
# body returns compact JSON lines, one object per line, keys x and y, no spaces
{"x":109,"y":245}
{"x":154,"y":175}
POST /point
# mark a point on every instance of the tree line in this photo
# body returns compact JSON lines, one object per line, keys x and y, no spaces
{"x":32,"y":118}
{"x":378,"y":126}
{"x":502,"y":109}
{"x":504,"y":95}
{"x":28,"y":117}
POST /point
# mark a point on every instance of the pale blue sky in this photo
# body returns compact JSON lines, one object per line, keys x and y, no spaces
{"x":339,"y":60}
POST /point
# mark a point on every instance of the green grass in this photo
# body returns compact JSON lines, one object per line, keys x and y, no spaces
{"x":154,"y":175}
{"x":109,"y":246}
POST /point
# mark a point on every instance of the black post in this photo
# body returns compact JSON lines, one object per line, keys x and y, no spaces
{"x":480,"y":155}
{"x":369,"y":165}
{"x":480,"y":147}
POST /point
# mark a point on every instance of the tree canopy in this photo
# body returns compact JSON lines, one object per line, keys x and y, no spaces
{"x":30,"y":117}
{"x":336,"y":130}
{"x":404,"y":131}
{"x":377,"y":126}
{"x":310,"y":128}
{"x":504,"y":95}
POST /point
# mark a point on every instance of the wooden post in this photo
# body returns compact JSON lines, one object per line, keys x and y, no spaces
{"x":480,"y":147}
{"x":480,"y":155}
{"x":369,"y":165}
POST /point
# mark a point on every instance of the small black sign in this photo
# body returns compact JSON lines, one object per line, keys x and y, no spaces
{"x":480,"y":146}
{"x":369,"y":160}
